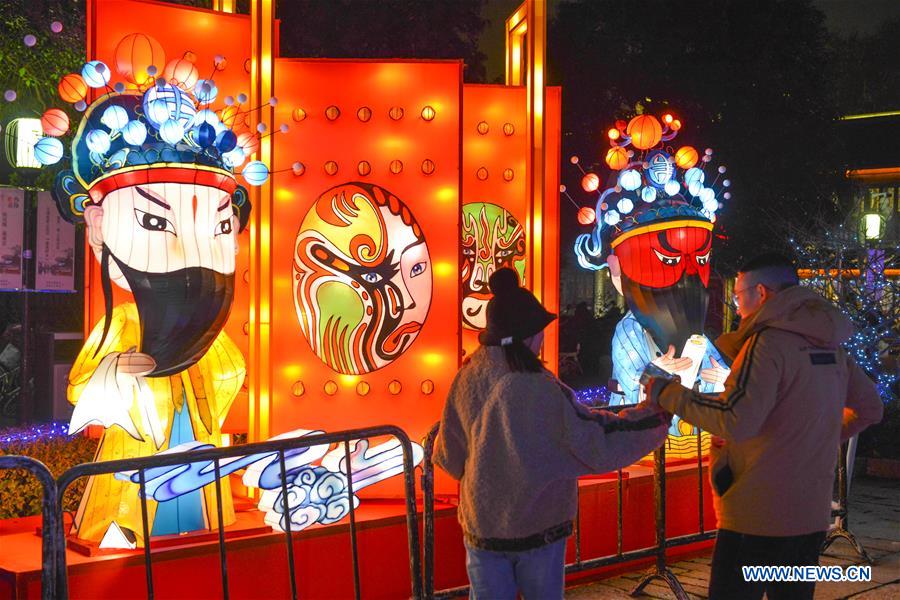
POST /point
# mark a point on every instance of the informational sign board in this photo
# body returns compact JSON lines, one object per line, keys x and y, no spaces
{"x":12,"y":218}
{"x":55,"y":248}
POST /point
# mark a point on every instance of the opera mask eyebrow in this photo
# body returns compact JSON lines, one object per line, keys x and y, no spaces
{"x":362,"y":278}
{"x":491,"y":239}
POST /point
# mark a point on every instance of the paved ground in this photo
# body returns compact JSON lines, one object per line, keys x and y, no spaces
{"x":874,"y":518}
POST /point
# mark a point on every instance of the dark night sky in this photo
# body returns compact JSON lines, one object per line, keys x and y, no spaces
{"x":842,"y":16}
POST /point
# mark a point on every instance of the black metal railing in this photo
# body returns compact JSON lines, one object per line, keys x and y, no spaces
{"x":54,"y":574}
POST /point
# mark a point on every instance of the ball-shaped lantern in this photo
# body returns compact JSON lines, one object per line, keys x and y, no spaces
{"x":228,"y":115}
{"x":135,"y":53}
{"x":256,"y":173}
{"x":630,"y":180}
{"x":97,"y":141}
{"x":205,"y":91}
{"x":645,"y":131}
{"x":617,"y":158}
{"x":171,"y":131}
{"x":95,"y":74}
{"x":694,"y":176}
{"x":686,"y":157}
{"x":234,"y":158}
{"x":134,"y":132}
{"x":625,"y":205}
{"x":72,"y":88}
{"x":48,"y":151}
{"x":181,"y":72}
{"x":54,"y":122}
{"x":590,"y":182}
{"x":248,"y":142}
{"x":114,"y":117}
{"x":586,"y":215}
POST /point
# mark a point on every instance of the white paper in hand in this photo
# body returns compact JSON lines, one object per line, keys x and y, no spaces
{"x":104,"y":402}
{"x":695,"y":349}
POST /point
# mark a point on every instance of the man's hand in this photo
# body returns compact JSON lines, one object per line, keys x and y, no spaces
{"x":671,"y":364}
{"x":716,"y":373}
{"x":653,"y":387}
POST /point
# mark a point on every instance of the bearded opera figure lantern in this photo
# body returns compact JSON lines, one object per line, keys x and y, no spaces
{"x":654,"y":232}
{"x":362,"y":278}
{"x":491,"y":239}
{"x":162,"y":209}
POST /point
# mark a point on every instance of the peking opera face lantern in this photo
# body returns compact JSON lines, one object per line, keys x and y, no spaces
{"x":491,"y":239}
{"x":654,"y":232}
{"x":152,"y":180}
{"x":362,"y":278}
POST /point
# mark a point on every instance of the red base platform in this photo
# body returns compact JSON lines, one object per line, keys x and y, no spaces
{"x":257,"y":562}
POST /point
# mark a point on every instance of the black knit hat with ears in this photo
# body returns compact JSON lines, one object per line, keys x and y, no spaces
{"x":513,"y":314}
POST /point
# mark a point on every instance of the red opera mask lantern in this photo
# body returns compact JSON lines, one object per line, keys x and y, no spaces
{"x":659,"y":255}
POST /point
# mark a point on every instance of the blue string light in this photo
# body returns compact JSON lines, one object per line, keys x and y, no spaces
{"x":43,"y":432}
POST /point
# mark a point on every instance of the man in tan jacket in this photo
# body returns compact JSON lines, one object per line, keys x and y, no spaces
{"x":792,"y":397}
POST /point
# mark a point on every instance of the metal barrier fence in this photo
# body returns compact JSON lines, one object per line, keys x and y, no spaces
{"x":658,"y":550}
{"x":52,"y":528}
{"x":54,"y":579}
{"x":54,"y":576}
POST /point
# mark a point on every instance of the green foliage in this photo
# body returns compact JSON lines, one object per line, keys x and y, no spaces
{"x":34,"y":73}
{"x":21,"y":492}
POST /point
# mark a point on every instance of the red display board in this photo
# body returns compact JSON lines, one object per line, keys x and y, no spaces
{"x":394,"y":126}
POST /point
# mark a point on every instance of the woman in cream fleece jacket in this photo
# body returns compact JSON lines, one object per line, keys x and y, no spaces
{"x":517,"y":440}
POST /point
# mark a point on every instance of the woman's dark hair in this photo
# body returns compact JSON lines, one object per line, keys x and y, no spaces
{"x":520,"y":358}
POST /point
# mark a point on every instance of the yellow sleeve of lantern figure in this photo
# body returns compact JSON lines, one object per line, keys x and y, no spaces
{"x":124,"y":334}
{"x":223,"y":366}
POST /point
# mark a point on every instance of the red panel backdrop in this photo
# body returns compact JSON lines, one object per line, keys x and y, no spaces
{"x":376,"y":90}
{"x":495,"y":153}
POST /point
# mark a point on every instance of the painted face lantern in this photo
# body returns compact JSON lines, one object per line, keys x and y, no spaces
{"x":655,"y":231}
{"x":362,"y":278}
{"x":162,"y":217}
{"x":491,"y":239}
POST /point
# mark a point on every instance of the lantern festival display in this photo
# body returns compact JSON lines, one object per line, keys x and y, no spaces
{"x":153,"y":179}
{"x":653,"y":230}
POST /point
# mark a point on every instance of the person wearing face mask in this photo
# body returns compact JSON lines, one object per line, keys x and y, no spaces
{"x":517,"y":440}
{"x":793,"y":396}
{"x":162,"y":219}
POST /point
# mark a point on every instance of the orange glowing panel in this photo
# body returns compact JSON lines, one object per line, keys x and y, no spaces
{"x":178,"y":30}
{"x":496,"y":219}
{"x":367,"y":236}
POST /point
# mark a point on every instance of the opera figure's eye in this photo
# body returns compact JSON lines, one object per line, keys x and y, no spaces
{"x":371,"y":277}
{"x":224,"y":227}
{"x":468,"y":252}
{"x":152,"y":222}
{"x":669,"y":261}
{"x":703,"y":260}
{"x":417,"y":269}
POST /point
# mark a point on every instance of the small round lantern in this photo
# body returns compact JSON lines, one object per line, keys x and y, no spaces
{"x":135,"y":53}
{"x":617,"y":158}
{"x":72,"y":88}
{"x":686,"y":157}
{"x":55,"y":122}
{"x":256,"y":173}
{"x":645,"y":131}
{"x":586,"y":215}
{"x":590,"y":182}
{"x":48,"y":151}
